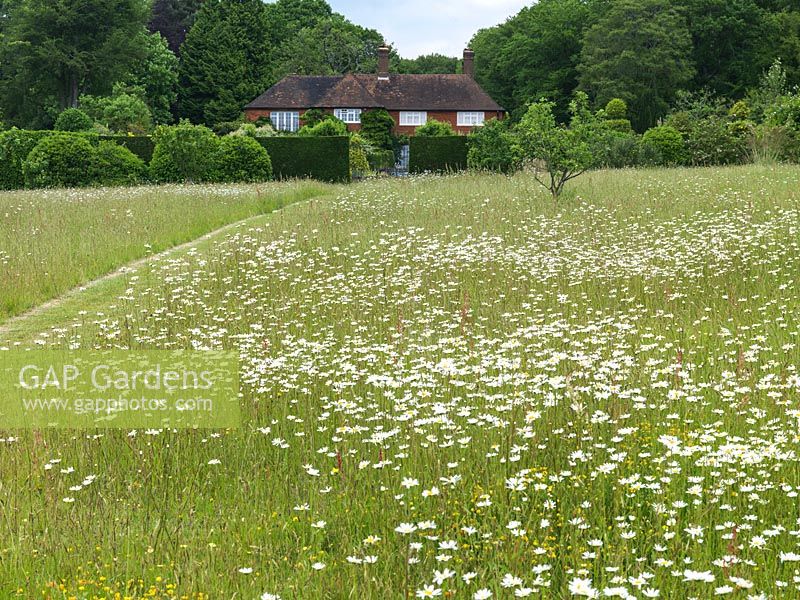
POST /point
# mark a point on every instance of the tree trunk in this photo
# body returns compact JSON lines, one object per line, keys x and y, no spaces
{"x":73,"y":92}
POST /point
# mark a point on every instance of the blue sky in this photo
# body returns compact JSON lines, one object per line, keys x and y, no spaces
{"x":417,"y":27}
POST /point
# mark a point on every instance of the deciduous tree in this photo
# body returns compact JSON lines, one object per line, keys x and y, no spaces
{"x":640,"y":51}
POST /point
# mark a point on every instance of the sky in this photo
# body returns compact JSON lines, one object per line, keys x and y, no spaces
{"x":415,"y":27}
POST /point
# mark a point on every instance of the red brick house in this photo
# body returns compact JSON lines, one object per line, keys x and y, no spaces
{"x":412,"y":100}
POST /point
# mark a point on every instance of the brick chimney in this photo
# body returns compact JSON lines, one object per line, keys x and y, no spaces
{"x":469,"y":63}
{"x":383,"y":63}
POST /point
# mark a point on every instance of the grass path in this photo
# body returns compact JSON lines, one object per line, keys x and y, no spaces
{"x":20,"y":327}
{"x":53,"y":241}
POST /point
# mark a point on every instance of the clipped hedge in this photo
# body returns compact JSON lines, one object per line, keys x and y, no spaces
{"x":438,"y":154}
{"x":241,"y":158}
{"x":116,"y":165}
{"x":16,"y":145}
{"x":141,"y":145}
{"x":322,"y":158}
{"x":60,"y":161}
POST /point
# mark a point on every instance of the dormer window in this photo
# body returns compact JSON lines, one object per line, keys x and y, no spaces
{"x":348,"y":115}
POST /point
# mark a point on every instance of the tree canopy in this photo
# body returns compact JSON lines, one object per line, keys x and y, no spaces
{"x":54,"y":50}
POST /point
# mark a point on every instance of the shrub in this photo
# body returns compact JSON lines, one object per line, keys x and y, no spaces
{"x":619,"y":125}
{"x":15,"y":145}
{"x":183,"y":152}
{"x":438,"y":154}
{"x":377,"y":127}
{"x":313,"y":116}
{"x":254,"y":131}
{"x":242,"y":158}
{"x":60,"y":160}
{"x":616,"y":109}
{"x":116,"y":165}
{"x":785,"y":112}
{"x":141,"y":145}
{"x":669,"y":143}
{"x":434,"y":128}
{"x":630,"y":150}
{"x":711,"y":141}
{"x":121,"y":112}
{"x":73,"y":119}
{"x":227,"y":127}
{"x":359,"y":165}
{"x":740,"y":111}
{"x":493,"y":147}
{"x":322,"y":158}
{"x":325,"y":128}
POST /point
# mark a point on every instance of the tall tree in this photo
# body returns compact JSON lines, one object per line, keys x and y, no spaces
{"x":288,"y":17}
{"x":728,"y":38}
{"x":332,"y":46}
{"x":55,"y":50}
{"x":157,"y":76}
{"x":534,"y":54}
{"x":427,"y":63}
{"x":173,"y":19}
{"x":640,"y":51}
{"x":226,"y":60}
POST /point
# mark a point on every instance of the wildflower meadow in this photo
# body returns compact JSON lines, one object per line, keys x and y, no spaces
{"x":451,"y":387}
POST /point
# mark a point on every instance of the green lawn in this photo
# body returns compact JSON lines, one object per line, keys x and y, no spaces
{"x":51,"y":241}
{"x":451,"y":387}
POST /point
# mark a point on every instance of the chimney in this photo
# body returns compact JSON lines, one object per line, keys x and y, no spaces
{"x":469,"y":63}
{"x":383,"y":63}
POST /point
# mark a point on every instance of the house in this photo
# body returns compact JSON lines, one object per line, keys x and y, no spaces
{"x":411,"y":99}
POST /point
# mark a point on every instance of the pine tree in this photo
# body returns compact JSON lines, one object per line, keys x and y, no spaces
{"x":225,"y":60}
{"x":173,"y":19}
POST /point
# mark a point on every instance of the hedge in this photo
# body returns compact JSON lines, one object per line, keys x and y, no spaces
{"x":15,"y":145}
{"x":438,"y":154}
{"x":322,"y":158}
{"x":141,"y":145}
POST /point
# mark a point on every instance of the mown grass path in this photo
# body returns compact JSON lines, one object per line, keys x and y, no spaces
{"x":20,"y":325}
{"x":52,"y":241}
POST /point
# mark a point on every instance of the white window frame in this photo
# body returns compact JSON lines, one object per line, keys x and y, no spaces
{"x":348,"y":115}
{"x":413,"y":118}
{"x":471,"y":118}
{"x":285,"y":120}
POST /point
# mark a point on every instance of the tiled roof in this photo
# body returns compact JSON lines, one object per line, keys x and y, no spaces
{"x":400,"y":92}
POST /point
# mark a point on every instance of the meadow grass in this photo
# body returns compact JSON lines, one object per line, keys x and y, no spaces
{"x":452,"y":387}
{"x":52,"y":241}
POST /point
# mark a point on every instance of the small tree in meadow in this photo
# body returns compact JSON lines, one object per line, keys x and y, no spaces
{"x":564,"y":152}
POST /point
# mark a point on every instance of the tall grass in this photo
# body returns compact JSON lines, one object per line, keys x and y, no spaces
{"x":453,"y":387}
{"x":51,"y":241}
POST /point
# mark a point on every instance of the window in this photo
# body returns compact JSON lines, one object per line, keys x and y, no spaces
{"x":285,"y":120}
{"x":413,"y":118}
{"x":348,"y":115}
{"x":470,"y":119}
